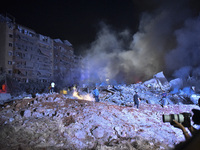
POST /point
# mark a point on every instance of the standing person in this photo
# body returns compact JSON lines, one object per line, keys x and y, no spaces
{"x":52,"y":87}
{"x":164,"y":99}
{"x":136,"y":100}
{"x":4,"y":88}
{"x":96,"y":94}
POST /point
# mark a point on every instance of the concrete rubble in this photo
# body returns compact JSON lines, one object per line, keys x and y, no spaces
{"x":159,"y":82}
{"x":61,"y":121}
{"x":55,"y":121}
{"x":4,"y":97}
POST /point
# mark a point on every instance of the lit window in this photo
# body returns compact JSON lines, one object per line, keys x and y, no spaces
{"x":10,"y":53}
{"x":10,"y":62}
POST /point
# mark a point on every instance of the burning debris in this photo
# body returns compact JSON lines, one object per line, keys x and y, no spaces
{"x":87,"y":97}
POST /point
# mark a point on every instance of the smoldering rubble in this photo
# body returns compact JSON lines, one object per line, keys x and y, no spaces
{"x":62,"y":121}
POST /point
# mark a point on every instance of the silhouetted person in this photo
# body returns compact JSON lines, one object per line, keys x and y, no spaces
{"x":52,"y":88}
{"x":4,"y":88}
{"x":164,"y":99}
{"x":136,"y":100}
{"x":96,"y":94}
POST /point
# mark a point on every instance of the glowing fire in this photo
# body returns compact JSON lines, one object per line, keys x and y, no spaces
{"x":87,"y":97}
{"x":75,"y":94}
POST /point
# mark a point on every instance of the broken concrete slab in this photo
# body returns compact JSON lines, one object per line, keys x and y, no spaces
{"x":176,"y":84}
{"x":4,"y":97}
{"x":195,"y":98}
{"x":158,"y":82}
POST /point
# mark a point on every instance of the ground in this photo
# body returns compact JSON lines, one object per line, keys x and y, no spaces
{"x":55,"y":121}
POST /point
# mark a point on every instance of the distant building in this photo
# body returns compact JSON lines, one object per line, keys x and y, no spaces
{"x":26,"y":55}
{"x":63,"y":61}
{"x":77,"y":69}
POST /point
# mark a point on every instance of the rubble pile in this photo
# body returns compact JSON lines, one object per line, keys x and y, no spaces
{"x":150,"y":92}
{"x":56,"y":121}
{"x":74,"y":120}
{"x":149,"y":95}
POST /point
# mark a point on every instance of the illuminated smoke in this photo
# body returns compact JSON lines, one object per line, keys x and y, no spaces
{"x":186,"y":54}
{"x":159,"y":45}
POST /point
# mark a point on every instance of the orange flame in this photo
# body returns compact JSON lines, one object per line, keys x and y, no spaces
{"x":87,"y":97}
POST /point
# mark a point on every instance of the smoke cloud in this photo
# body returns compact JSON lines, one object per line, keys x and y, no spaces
{"x":187,"y":51}
{"x":166,"y":40}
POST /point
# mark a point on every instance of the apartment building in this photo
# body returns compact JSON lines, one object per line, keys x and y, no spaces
{"x":32,"y":55}
{"x":26,"y":55}
{"x":63,"y":61}
{"x":77,"y":69}
{"x":44,"y":63}
{"x":6,"y":44}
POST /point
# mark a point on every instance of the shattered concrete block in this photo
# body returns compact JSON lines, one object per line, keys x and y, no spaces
{"x":27,"y":113}
{"x":4,"y":97}
{"x":194,"y":98}
{"x":98,"y":132}
{"x":159,"y":81}
{"x":80,"y":134}
{"x":40,"y":109}
{"x":37,"y":114}
{"x":152,"y":83}
{"x":11,"y":119}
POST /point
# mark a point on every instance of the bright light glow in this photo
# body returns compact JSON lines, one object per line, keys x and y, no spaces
{"x":87,"y":97}
{"x":75,"y":94}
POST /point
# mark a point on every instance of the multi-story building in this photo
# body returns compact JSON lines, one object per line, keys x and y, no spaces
{"x":32,"y":55}
{"x":63,"y":61}
{"x":77,"y":69}
{"x":6,"y":45}
{"x":26,"y":55}
{"x":44,"y":63}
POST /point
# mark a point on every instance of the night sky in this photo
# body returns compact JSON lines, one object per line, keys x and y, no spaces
{"x":126,"y":40}
{"x":77,"y":20}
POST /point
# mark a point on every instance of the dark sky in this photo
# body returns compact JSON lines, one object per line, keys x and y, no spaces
{"x":75,"y":20}
{"x":162,"y":35}
{"x":78,"y":20}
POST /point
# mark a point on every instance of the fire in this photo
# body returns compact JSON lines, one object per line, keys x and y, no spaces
{"x":75,"y":94}
{"x":87,"y":97}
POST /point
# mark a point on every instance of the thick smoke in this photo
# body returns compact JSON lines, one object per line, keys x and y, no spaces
{"x":187,"y":51}
{"x":164,"y":42}
{"x":184,"y":60}
{"x":105,"y":58}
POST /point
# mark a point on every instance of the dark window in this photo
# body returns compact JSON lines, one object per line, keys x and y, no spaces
{"x":10,"y":44}
{"x":9,"y":72}
{"x":10,"y":36}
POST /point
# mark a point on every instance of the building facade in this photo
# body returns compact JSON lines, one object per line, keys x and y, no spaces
{"x":6,"y":45}
{"x":26,"y":55}
{"x":63,"y":62}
